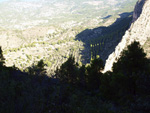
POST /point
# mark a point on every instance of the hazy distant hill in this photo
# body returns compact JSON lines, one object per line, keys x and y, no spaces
{"x":20,"y":14}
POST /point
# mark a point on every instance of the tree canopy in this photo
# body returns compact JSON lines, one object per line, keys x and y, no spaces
{"x":2,"y":59}
{"x":132,"y":60}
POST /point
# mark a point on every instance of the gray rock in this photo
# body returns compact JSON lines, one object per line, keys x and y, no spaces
{"x":138,"y":31}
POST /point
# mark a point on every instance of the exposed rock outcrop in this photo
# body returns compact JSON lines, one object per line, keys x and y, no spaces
{"x":139,"y":31}
{"x":138,"y":9}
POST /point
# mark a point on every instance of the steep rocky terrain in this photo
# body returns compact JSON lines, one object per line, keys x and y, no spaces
{"x":138,"y":9}
{"x":139,"y":31}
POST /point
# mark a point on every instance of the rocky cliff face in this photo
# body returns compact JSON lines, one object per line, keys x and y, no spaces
{"x":138,"y":9}
{"x":139,"y":31}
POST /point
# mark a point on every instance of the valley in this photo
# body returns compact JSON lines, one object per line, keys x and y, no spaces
{"x":54,"y":30}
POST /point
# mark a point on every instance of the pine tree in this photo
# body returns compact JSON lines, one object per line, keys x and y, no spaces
{"x":68,"y":71}
{"x":132,"y":64}
{"x":132,"y":60}
{"x":2,"y":59}
{"x":94,"y":73}
{"x":38,"y":69}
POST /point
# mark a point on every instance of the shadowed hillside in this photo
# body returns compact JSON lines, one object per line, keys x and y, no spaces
{"x":103,"y":40}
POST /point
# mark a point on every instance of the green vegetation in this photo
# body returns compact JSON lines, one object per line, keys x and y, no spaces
{"x":112,"y":34}
{"x":127,"y":85}
{"x":132,"y":61}
{"x":68,"y":71}
{"x":2,"y":59}
{"x":79,"y":89}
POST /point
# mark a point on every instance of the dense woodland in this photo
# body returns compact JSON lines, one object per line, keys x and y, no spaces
{"x":79,"y":89}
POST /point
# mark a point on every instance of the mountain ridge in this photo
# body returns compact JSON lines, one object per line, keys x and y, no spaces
{"x":138,"y":31}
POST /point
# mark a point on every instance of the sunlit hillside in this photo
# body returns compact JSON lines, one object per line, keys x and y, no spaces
{"x":31,"y":30}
